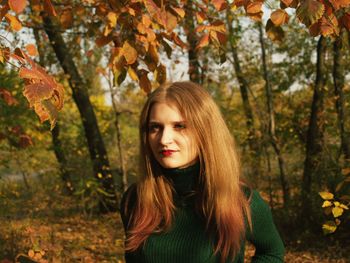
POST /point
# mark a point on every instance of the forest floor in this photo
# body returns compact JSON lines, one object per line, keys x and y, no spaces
{"x":50,"y":227}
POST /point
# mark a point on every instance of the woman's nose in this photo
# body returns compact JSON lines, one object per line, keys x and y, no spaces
{"x":166,"y":137}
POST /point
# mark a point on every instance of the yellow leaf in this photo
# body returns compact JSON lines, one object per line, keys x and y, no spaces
{"x":326,"y":195}
{"x":344,"y":206}
{"x":326,"y":204}
{"x":129,"y":53}
{"x":112,"y":19}
{"x":99,"y":175}
{"x":337,"y":211}
{"x":336,"y":203}
{"x":329,"y":227}
{"x":133,"y":74}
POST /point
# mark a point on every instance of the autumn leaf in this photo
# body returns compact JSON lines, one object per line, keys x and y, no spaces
{"x":337,"y":4}
{"x":329,"y":227}
{"x":329,"y":25}
{"x":273,"y":32}
{"x":133,"y":74}
{"x":7,"y":97}
{"x":144,"y":82}
{"x":219,"y":4}
{"x":279,"y":17}
{"x":326,"y":195}
{"x":201,"y":16}
{"x":4,"y":9}
{"x":4,"y":54}
{"x":345,"y":20}
{"x":17,"y":5}
{"x":129,"y":53}
{"x":25,"y":140}
{"x":327,"y":204}
{"x":204,"y":41}
{"x":152,"y":8}
{"x":337,"y":211}
{"x":103,"y":40}
{"x":48,"y":7}
{"x":160,"y":74}
{"x":179,"y":11}
{"x":31,"y":49}
{"x":287,"y":3}
{"x":15,"y":24}
{"x":168,"y":20}
{"x":310,"y":11}
{"x":66,"y":18}
{"x":112,"y":18}
{"x":253,"y":7}
{"x":43,"y":93}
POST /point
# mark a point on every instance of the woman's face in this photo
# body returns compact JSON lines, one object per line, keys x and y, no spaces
{"x":169,"y":137}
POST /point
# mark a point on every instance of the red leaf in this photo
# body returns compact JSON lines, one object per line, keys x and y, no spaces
{"x":49,"y":8}
{"x":345,"y":19}
{"x":25,"y":141}
{"x":37,"y":92}
{"x":17,"y":5}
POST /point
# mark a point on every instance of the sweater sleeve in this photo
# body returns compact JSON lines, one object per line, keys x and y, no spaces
{"x":264,"y":235}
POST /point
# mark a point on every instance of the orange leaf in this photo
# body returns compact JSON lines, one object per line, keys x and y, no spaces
{"x":37,"y":92}
{"x":279,"y":17}
{"x":32,"y":51}
{"x":253,"y":7}
{"x":152,"y":8}
{"x":329,"y":25}
{"x":14,"y":22}
{"x":17,"y":5}
{"x":66,"y":18}
{"x":337,"y":4}
{"x":201,"y":16}
{"x":287,"y":2}
{"x":310,"y":11}
{"x":239,"y":3}
{"x":218,"y":26}
{"x":275,"y":33}
{"x":203,"y":42}
{"x":179,"y":11}
{"x":7,"y":97}
{"x":48,"y":7}
{"x":219,"y":4}
{"x":146,"y":20}
{"x":129,"y":53}
{"x":168,"y":20}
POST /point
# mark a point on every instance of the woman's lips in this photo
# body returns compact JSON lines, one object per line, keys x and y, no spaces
{"x":167,"y":153}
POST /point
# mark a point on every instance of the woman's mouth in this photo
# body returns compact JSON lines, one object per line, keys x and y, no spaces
{"x":167,"y":153}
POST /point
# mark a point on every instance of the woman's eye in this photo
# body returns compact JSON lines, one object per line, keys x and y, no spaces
{"x":153,"y":128}
{"x":180,"y":126}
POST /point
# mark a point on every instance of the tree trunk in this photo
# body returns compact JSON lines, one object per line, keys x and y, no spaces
{"x":314,"y":142}
{"x":339,"y":79}
{"x":57,"y":145}
{"x":271,"y":127}
{"x":253,"y":142}
{"x":97,"y":150}
{"x":193,"y":62}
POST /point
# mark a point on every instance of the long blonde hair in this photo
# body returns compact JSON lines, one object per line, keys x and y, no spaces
{"x":220,"y":201}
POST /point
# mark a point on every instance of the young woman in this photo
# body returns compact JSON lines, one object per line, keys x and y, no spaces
{"x":191,"y":204}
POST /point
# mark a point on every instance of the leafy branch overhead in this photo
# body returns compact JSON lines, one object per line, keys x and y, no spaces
{"x":136,"y":31}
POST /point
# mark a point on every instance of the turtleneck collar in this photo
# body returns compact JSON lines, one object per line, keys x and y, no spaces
{"x":183,"y":179}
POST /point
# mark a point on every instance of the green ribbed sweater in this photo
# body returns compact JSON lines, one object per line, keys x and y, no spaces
{"x":186,"y":241}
